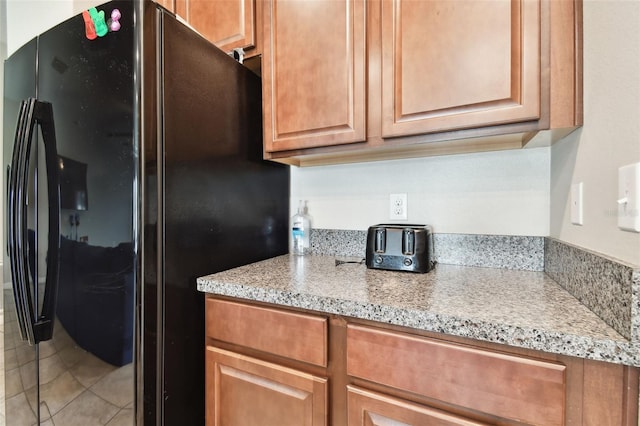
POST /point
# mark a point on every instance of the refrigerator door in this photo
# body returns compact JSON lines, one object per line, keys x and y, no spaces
{"x":19,"y":357}
{"x":90,"y":84}
{"x":85,"y":373}
{"x":32,"y":229}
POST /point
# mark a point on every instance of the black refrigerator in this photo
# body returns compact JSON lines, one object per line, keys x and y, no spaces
{"x":133,"y":165}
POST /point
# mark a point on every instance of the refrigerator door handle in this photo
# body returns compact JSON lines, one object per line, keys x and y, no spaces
{"x":43,"y":327}
{"x":14,"y":222}
{"x":37,"y":326}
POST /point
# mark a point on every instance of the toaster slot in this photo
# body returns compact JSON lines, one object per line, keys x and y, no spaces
{"x":408,"y":242}
{"x":381,"y":240}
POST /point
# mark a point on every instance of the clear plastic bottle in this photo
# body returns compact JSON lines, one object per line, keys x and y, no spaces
{"x":301,"y":230}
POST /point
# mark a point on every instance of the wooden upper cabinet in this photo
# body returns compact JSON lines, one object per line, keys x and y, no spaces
{"x":313,"y":71}
{"x":228,"y":24}
{"x":167,"y":4}
{"x":347,"y":80}
{"x":450,"y":65}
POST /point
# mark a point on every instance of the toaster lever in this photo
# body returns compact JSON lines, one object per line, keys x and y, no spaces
{"x":408,"y":242}
{"x":381,"y":240}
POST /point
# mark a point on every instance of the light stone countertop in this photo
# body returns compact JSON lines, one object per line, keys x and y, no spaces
{"x":519,"y":308}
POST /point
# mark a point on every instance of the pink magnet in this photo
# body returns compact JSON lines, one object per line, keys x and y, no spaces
{"x":114,"y":22}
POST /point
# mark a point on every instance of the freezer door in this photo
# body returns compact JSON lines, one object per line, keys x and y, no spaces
{"x":20,"y":357}
{"x":85,"y":373}
{"x":32,"y":233}
{"x":90,"y":85}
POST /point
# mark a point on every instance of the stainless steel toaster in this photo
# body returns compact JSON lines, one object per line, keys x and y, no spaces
{"x":400,"y":247}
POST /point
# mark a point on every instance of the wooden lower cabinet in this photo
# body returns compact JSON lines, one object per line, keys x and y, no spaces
{"x":271,"y":366}
{"x":368,"y":408}
{"x":246,"y":391}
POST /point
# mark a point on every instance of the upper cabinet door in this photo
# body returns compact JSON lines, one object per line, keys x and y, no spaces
{"x":228,"y":24}
{"x":313,"y":71}
{"x":449,"y":65}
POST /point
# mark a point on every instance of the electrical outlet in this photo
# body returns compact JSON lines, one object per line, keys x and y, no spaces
{"x":398,"y":207}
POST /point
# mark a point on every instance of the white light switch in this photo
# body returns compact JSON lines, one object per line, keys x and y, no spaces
{"x":629,"y":197}
{"x":576,"y":203}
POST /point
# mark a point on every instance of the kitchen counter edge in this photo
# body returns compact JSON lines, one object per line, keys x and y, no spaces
{"x":309,"y":283}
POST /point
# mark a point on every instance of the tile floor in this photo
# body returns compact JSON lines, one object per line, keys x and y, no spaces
{"x":76,"y":388}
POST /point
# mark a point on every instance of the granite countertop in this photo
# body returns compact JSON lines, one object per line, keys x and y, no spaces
{"x":519,"y":308}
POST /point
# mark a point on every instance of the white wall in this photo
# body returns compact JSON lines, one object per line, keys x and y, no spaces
{"x":505,"y":192}
{"x":28,"y":18}
{"x":610,"y":137}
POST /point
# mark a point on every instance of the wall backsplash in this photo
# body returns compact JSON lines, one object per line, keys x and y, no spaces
{"x":606,"y":286}
{"x":490,"y":251}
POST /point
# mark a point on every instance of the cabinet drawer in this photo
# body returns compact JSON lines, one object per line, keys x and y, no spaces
{"x":296,"y":336}
{"x":507,"y":386}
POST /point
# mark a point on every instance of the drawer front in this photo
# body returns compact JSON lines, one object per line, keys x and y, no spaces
{"x":296,"y":336}
{"x":503,"y":385}
{"x":369,"y":408}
